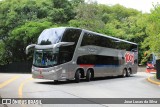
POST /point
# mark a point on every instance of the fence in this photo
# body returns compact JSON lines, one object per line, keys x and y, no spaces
{"x":17,"y":67}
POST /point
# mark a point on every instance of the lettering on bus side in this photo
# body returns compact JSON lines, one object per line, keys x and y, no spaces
{"x":129,"y":57}
{"x":92,"y":50}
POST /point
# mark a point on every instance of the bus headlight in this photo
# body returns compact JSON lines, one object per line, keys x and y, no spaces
{"x":32,"y":70}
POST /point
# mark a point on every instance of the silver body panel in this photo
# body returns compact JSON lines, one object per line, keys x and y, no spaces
{"x":67,"y":70}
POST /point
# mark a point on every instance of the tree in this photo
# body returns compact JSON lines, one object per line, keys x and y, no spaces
{"x":21,"y":22}
{"x":24,"y":35}
{"x":87,"y":17}
{"x":5,"y":56}
{"x":153,"y":30}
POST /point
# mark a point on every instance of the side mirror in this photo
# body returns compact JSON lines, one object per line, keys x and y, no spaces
{"x":29,"y":47}
{"x":61,"y":44}
{"x":53,"y":46}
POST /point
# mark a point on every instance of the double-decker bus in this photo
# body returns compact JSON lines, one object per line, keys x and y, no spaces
{"x":67,"y":53}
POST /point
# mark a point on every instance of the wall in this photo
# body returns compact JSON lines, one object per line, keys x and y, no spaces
{"x":17,"y":67}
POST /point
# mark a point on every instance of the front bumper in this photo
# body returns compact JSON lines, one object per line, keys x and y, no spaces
{"x":45,"y":75}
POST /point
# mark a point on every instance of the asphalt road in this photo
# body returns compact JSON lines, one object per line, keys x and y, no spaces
{"x":23,"y":86}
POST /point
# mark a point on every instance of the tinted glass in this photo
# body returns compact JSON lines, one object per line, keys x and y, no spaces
{"x":66,"y":52}
{"x":127,"y":46}
{"x":97,"y":40}
{"x":51,"y":36}
{"x":97,"y":59}
{"x":45,"y":58}
{"x":88,"y":39}
{"x":71,"y":35}
{"x":65,"y":55}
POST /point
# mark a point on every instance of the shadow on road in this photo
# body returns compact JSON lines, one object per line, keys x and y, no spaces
{"x":81,"y":81}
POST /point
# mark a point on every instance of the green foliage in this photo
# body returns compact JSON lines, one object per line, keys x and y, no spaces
{"x":24,"y":35}
{"x":153,"y":30}
{"x":118,"y":21}
{"x":87,"y":17}
{"x":5,"y":56}
{"x":29,"y":31}
{"x":21,"y":22}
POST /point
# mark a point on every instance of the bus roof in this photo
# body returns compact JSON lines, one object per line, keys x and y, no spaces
{"x":111,"y":37}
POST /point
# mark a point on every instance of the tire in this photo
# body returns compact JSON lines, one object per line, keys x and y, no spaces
{"x":124,"y":73}
{"x":88,"y":75}
{"x":55,"y":81}
{"x":128,"y":73}
{"x":77,"y":76}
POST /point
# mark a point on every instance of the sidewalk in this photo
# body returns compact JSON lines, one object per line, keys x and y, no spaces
{"x":154,"y":80}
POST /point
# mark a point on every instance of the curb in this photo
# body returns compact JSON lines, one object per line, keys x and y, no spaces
{"x":152,"y":81}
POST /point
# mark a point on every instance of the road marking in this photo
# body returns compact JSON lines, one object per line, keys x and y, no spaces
{"x":20,"y":89}
{"x":152,"y":81}
{"x":9,"y":81}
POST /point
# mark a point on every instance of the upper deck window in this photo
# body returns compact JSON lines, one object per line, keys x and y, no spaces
{"x":97,"y":40}
{"x":71,"y":35}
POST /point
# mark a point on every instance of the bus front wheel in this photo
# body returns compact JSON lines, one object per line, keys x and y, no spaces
{"x":77,"y":76}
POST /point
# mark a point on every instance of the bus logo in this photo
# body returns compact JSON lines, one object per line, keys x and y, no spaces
{"x":129,"y":57}
{"x":40,"y":70}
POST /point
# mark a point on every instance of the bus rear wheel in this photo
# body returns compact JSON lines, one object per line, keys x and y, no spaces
{"x":124,"y":73}
{"x":128,"y":73}
{"x":88,"y":75}
{"x":56,"y":81}
{"x":77,"y":76}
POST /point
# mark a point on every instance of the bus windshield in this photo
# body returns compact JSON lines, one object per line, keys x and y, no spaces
{"x":45,"y":58}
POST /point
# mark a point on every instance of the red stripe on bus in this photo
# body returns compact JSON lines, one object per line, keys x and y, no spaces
{"x":86,"y":65}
